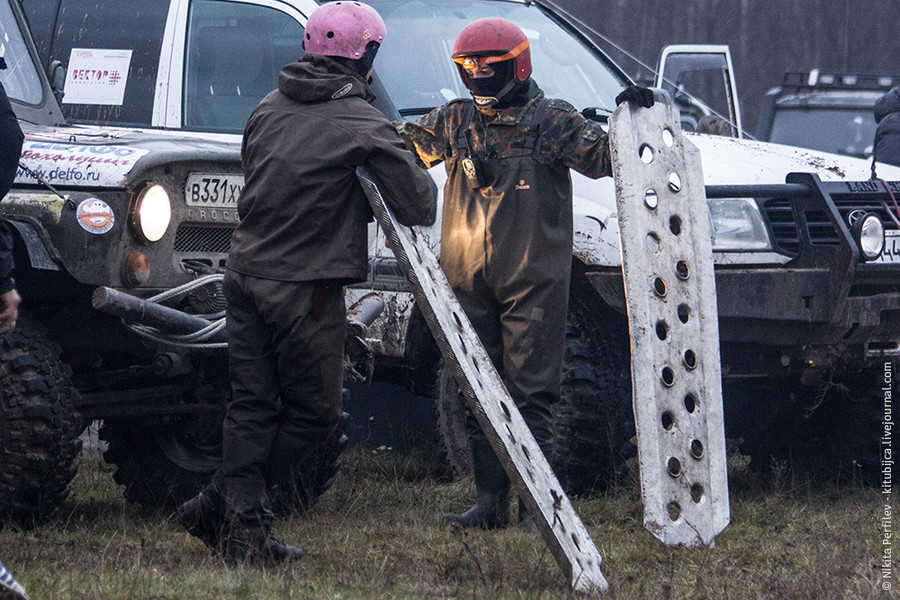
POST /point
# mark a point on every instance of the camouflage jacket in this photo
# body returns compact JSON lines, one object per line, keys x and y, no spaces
{"x":565,"y":135}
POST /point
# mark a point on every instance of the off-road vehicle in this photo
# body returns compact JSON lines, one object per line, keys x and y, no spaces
{"x":809,"y":307}
{"x":104,"y":219}
{"x":831,"y":112}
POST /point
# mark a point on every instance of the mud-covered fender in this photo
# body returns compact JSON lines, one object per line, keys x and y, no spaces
{"x":41,"y":252}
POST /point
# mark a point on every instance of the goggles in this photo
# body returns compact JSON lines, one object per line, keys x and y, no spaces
{"x":476,"y":62}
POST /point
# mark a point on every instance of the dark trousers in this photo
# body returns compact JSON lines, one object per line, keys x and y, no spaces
{"x":524,"y":336}
{"x":286,"y":348}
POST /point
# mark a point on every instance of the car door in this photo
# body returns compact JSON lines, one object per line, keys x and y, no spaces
{"x":110,"y":52}
{"x":700,"y":79}
{"x":221,"y":57}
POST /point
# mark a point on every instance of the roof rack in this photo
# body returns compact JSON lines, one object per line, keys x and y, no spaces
{"x":847,"y":81}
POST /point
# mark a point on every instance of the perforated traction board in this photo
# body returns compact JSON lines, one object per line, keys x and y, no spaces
{"x":495,"y":410}
{"x":664,"y":232}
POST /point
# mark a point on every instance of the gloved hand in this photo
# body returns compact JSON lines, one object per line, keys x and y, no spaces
{"x":641,"y":96}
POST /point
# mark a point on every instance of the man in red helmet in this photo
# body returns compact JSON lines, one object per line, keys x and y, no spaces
{"x":506,"y":239}
{"x":301,"y":238}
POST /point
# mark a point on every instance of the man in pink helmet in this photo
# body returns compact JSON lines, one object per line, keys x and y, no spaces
{"x":301,"y":238}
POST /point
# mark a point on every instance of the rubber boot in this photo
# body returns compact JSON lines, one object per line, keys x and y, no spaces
{"x":204,"y":518}
{"x":526,"y":521}
{"x":491,"y":509}
{"x":250,"y":542}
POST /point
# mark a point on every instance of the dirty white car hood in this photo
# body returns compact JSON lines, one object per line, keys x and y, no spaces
{"x":85,"y":156}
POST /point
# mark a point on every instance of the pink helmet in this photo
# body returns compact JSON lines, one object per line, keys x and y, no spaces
{"x":343,"y":29}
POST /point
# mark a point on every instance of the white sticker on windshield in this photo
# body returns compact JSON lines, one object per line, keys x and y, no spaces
{"x":96,"y":76}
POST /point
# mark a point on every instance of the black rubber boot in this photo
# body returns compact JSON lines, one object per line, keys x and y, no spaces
{"x":491,"y":509}
{"x":204,"y":518}
{"x":526,"y":521}
{"x":250,"y":542}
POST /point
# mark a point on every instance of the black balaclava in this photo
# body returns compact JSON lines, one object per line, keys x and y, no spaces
{"x":490,"y":91}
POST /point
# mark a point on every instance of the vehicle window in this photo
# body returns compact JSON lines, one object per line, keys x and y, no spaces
{"x":841,"y":131}
{"x":234,"y":53}
{"x":20,"y":79}
{"x":117,"y":26}
{"x":688,"y":78}
{"x":414,"y":61}
{"x":41,"y":15}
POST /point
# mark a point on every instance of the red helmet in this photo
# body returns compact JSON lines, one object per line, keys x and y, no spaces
{"x":498,"y":40}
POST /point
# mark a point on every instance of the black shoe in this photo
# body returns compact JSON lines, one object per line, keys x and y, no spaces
{"x":257,"y":547}
{"x":489,"y":512}
{"x":526,"y":521}
{"x":203,"y":517}
{"x":280,"y":552}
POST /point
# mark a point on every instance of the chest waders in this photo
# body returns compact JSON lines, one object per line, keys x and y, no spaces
{"x":506,"y":250}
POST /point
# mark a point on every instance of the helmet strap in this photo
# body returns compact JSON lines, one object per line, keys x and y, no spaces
{"x":489,"y":101}
{"x":365,"y":62}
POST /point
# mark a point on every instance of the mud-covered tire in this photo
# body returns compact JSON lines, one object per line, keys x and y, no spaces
{"x":39,"y":426}
{"x":593,"y":423}
{"x":451,"y":424}
{"x":162,"y":466}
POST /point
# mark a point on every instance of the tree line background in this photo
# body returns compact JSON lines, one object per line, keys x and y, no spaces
{"x":766,"y":37}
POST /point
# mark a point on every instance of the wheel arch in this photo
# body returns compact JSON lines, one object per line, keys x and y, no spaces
{"x":31,"y":242}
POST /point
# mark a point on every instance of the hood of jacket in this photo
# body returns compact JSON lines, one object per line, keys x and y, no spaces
{"x":316,"y":78}
{"x":887,"y":104}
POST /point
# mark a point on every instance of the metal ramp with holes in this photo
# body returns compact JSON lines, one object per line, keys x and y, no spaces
{"x":496,"y":412}
{"x":664,"y":232}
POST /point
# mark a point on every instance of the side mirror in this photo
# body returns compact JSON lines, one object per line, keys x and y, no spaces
{"x":57,"y":76}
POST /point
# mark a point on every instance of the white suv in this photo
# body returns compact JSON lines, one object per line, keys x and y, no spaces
{"x":803,"y":313}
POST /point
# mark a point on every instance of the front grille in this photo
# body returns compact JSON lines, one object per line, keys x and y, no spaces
{"x":784,"y":221}
{"x":190,"y":238}
{"x":783,"y":224}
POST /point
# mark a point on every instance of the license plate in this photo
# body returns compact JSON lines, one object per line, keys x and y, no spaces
{"x":213,"y":190}
{"x":891,"y":253}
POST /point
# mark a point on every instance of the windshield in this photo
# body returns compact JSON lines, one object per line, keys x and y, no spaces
{"x":414,"y":61}
{"x":841,"y":131}
{"x":20,"y":79}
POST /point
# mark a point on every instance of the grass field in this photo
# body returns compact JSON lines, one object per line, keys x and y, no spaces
{"x":379,"y":534}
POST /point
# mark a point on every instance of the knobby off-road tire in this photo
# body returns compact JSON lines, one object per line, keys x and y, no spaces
{"x":39,"y":426}
{"x":827,"y":433}
{"x":162,"y":466}
{"x":593,"y":423}
{"x":451,"y":423}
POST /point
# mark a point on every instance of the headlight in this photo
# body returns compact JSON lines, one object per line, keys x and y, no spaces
{"x":152,"y":213}
{"x":868,"y":232}
{"x":737,"y":225}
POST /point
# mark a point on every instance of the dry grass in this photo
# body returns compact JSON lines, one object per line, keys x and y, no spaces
{"x":379,"y":534}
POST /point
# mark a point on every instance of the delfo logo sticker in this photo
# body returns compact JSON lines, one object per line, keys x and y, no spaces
{"x":95,"y":216}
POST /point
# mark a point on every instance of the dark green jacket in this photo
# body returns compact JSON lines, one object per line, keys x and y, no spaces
{"x":303,"y":212}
